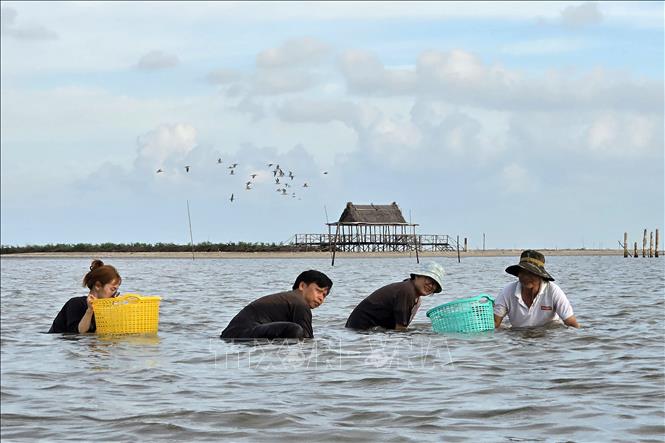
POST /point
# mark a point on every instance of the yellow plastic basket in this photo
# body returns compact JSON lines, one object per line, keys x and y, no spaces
{"x":127,"y":314}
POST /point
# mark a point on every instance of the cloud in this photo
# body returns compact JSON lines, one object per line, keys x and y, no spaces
{"x":155,"y":60}
{"x":165,"y":146}
{"x":318,"y":111}
{"x":625,"y":134}
{"x":463,"y":78}
{"x":29,"y":32}
{"x":300,"y":51}
{"x":516,"y":179}
{"x":223,"y":76}
{"x":365,"y":74}
{"x":290,"y":68}
{"x":581,"y":15}
{"x":272,"y":82}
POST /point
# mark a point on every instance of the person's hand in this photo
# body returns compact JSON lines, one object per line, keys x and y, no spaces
{"x":91,"y":298}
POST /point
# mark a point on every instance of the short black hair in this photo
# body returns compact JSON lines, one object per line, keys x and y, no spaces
{"x":312,"y":276}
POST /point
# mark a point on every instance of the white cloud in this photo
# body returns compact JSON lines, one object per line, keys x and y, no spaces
{"x":625,"y":134}
{"x":168,"y":144}
{"x":301,"y":51}
{"x":581,"y":15}
{"x":223,"y":76}
{"x":365,"y":74}
{"x":463,"y":78}
{"x":11,"y":28}
{"x":271,"y":82}
{"x":517,"y":180}
{"x":154,"y":60}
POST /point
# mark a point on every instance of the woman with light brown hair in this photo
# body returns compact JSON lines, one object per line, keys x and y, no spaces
{"x":77,"y":316}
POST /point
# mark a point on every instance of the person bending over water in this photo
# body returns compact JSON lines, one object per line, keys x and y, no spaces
{"x":282,"y":315}
{"x":533,"y":300}
{"x":394,"y":306}
{"x":77,"y":315}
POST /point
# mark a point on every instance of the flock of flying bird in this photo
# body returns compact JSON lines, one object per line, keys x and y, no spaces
{"x":283,"y":180}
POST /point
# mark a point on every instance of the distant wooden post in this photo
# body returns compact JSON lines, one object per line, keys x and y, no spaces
{"x":458,"y":258}
{"x":656,"y":244}
{"x":635,"y":254}
{"x":644,"y":244}
{"x":625,"y":244}
{"x":651,"y":244}
{"x":465,"y":245}
{"x":334,"y":246}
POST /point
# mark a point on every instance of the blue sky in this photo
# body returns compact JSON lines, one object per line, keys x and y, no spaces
{"x":539,"y":124}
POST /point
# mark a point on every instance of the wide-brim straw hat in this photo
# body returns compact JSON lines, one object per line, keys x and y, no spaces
{"x":533,"y":262}
{"x":432,"y":270}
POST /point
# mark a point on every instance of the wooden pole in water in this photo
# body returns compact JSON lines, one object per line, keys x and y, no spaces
{"x":334,"y":246}
{"x":656,"y":244}
{"x":458,"y":258}
{"x":191,"y":238}
{"x":635,"y":253}
{"x":625,"y":244}
{"x":415,"y":240}
{"x":651,"y":244}
{"x":644,"y":244}
{"x":466,"y":245}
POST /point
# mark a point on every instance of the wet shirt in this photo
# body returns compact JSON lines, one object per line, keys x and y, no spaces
{"x":387,"y":307}
{"x":550,"y":304}
{"x":284,"y":306}
{"x":70,"y":315}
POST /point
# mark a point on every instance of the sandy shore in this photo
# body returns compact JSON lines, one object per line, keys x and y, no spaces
{"x":301,"y":255}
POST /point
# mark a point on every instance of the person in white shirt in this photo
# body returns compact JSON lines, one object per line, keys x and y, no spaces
{"x":533,"y":300}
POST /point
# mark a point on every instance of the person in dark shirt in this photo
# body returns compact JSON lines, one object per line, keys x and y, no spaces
{"x":282,"y":315}
{"x":77,"y":316}
{"x":393,"y":306}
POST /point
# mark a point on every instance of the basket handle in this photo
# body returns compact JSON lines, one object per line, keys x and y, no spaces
{"x":487,"y":296}
{"x":128,"y":298}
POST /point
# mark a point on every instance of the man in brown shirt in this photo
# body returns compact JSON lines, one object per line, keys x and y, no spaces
{"x":394,"y":306}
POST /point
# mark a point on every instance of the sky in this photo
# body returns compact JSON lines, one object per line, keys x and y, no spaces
{"x":535,"y":124}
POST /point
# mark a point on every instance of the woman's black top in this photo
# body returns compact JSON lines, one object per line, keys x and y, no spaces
{"x":70,"y":315}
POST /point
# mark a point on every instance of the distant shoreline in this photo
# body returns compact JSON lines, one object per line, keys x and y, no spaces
{"x":318,"y":255}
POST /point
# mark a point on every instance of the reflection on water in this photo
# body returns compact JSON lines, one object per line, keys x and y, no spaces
{"x":600,"y":383}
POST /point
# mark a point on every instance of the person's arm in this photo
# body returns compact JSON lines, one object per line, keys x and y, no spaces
{"x":497,"y":321}
{"x":501,"y":306}
{"x":303,"y":317}
{"x":86,"y":320}
{"x":402,"y":306}
{"x":572,"y":322}
{"x":563,"y":308}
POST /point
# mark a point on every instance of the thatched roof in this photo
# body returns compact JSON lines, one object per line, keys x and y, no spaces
{"x":372,"y":214}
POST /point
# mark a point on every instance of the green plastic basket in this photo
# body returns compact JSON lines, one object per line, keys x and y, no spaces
{"x":474,"y":314}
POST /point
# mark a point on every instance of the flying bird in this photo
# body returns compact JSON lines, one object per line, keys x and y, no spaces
{"x":233,"y":171}
{"x":219,"y":160}
{"x":305,"y":185}
{"x":325,"y":172}
{"x":159,"y":170}
{"x":253,"y":175}
{"x":247,"y":186}
{"x":231,"y":198}
{"x":277,"y":181}
{"x":187,"y":168}
{"x":291,"y":175}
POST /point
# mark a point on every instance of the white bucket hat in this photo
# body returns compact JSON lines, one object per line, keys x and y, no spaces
{"x":434,"y":271}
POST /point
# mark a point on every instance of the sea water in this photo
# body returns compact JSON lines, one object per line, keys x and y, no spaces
{"x":603,"y":382}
